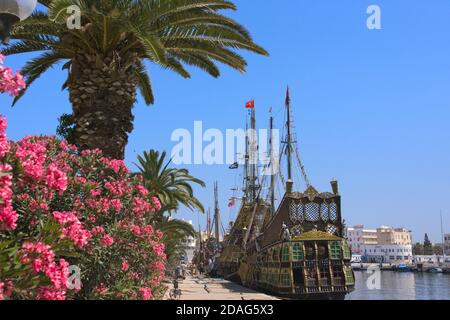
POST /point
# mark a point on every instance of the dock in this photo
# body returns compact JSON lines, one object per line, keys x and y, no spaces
{"x":203,"y":288}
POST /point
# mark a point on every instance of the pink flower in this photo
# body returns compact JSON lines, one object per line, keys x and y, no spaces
{"x":4,"y":144}
{"x":32,"y":155}
{"x":116,"y":204}
{"x":142,"y":190}
{"x":101,"y":289}
{"x":118,"y":188}
{"x":146,"y":293}
{"x":8,"y":217}
{"x":159,"y":250}
{"x":116,"y":165}
{"x":156,"y":203}
{"x":136,"y":230}
{"x":95,"y":193}
{"x":141,"y":207}
{"x":125,"y":265}
{"x":9,"y":82}
{"x":98,"y":230}
{"x":107,"y":240}
{"x":72,"y":228}
{"x":5,"y":289}
{"x":56,"y":179}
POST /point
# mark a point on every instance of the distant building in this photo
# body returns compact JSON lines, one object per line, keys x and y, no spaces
{"x":431,"y":259}
{"x":189,"y":246}
{"x":381,"y":245}
{"x":400,"y":236}
{"x":447,"y":244}
{"x":387,"y":253}
{"x":358,"y":237}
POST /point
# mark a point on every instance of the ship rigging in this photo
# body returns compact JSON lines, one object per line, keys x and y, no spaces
{"x":292,"y":247}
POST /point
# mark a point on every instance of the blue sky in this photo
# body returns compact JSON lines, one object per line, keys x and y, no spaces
{"x":371,"y":107}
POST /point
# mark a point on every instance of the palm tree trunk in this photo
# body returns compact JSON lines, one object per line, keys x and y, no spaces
{"x":102,"y":93}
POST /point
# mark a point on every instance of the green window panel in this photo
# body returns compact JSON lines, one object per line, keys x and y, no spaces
{"x":335,"y":250}
{"x":285,"y":278}
{"x":286,"y":254}
{"x":347,"y":252}
{"x":297,"y":251}
{"x":272,"y":277}
{"x":349,"y":278}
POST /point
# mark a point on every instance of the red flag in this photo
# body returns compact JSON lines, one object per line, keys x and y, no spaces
{"x":232,"y":202}
{"x":250,"y":104}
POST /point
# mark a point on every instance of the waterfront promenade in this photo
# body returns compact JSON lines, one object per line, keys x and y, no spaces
{"x":393,"y":286}
{"x":202,"y":288}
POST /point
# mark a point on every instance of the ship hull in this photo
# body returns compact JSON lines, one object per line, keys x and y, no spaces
{"x":298,"y":255}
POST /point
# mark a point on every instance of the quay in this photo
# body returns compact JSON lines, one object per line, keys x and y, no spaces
{"x":204,"y":288}
{"x":423,"y":267}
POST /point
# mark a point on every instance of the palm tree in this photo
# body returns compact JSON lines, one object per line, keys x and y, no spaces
{"x":105,"y":58}
{"x":175,"y":234}
{"x":172,"y":186}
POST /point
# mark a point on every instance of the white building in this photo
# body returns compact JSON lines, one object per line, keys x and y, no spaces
{"x":387,"y":253}
{"x":384,"y":244}
{"x":358,"y":237}
{"x":189,"y":246}
{"x":431,"y":259}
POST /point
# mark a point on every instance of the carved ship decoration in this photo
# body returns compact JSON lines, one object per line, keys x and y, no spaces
{"x":297,"y":250}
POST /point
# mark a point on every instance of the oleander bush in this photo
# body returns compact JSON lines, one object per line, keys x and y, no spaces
{"x":62,"y":210}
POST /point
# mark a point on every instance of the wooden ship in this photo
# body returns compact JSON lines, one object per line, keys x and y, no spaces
{"x":296,"y":248}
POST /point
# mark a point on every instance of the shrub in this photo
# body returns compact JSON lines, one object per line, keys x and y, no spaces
{"x":62,"y":208}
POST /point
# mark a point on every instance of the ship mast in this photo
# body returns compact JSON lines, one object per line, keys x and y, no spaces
{"x":216,"y":211}
{"x":253,"y":156}
{"x":246,"y":175}
{"x":272,"y":160}
{"x":208,"y":222}
{"x":289,"y":142}
{"x":251,"y":160}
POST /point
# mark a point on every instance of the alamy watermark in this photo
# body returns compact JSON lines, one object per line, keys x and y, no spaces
{"x":374,"y":19}
{"x":73,"y":21}
{"x":374,"y":280}
{"x":74,"y":278}
{"x":215,"y":147}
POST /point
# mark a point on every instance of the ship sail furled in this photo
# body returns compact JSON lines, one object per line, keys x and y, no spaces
{"x":297,"y":248}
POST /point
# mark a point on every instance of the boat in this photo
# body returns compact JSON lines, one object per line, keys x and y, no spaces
{"x":435,"y":270}
{"x":293,"y":249}
{"x":403,"y":268}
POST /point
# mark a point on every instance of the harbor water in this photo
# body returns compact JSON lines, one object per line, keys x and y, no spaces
{"x":401,"y":286}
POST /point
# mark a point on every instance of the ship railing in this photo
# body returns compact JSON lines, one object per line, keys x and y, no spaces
{"x":338,"y":281}
{"x":324,"y":282}
{"x":300,"y":290}
{"x":311,"y":282}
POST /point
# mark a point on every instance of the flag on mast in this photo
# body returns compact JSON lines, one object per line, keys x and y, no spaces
{"x":232,"y":202}
{"x":250,"y":104}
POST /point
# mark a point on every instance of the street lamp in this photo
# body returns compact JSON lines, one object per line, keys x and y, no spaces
{"x":11,"y":12}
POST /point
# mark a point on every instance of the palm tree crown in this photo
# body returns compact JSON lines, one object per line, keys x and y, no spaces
{"x":105,"y":58}
{"x":172,"y":186}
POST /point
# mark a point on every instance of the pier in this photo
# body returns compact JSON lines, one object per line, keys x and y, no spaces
{"x":203,"y":288}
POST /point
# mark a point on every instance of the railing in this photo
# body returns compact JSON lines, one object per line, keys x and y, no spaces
{"x":337,"y":281}
{"x":311,"y":282}
{"x":324,"y":282}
